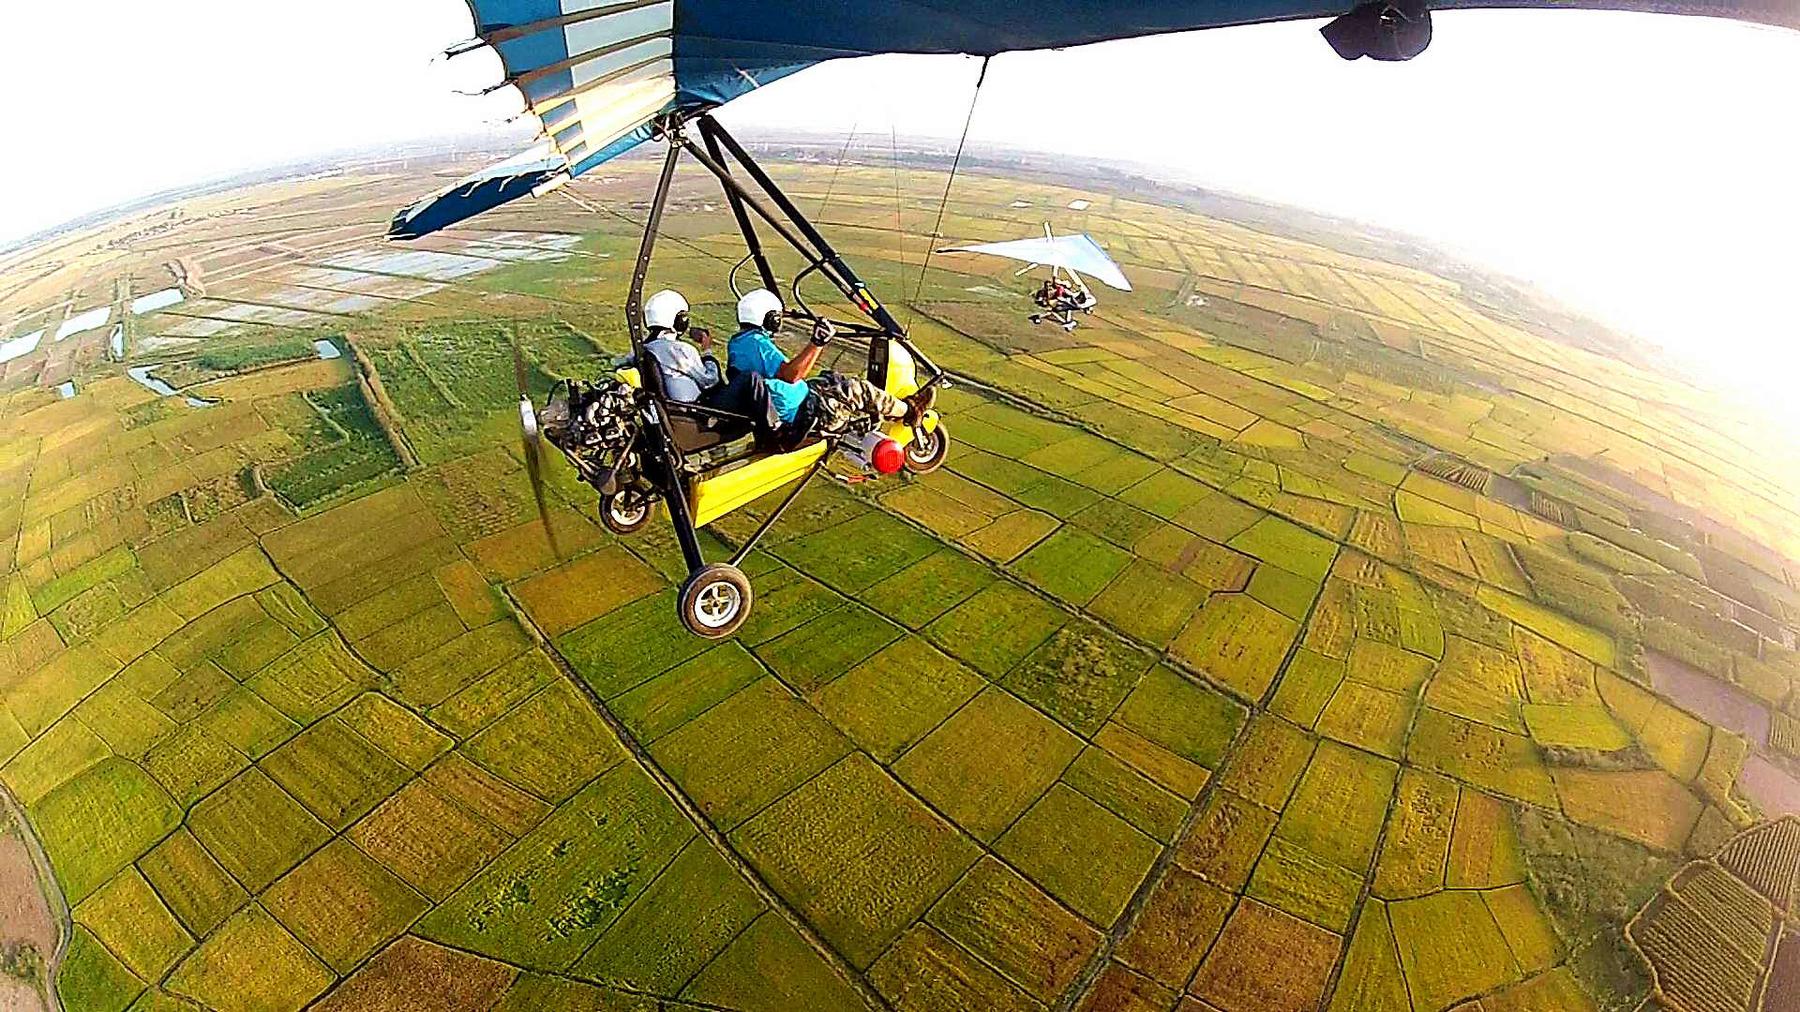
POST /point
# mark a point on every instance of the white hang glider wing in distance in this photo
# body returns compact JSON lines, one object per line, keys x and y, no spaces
{"x":1077,"y":254}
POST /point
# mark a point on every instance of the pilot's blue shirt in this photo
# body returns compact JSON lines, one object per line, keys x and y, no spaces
{"x":753,"y":351}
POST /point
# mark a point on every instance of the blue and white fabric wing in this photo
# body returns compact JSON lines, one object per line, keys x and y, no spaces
{"x":537,"y":169}
{"x":593,"y":73}
{"x":596,"y":73}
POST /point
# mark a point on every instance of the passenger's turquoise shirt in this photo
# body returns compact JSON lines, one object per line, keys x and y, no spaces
{"x":753,"y":351}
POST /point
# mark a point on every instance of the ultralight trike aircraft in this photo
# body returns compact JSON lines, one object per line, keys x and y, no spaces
{"x":1064,"y":293}
{"x":638,"y":447}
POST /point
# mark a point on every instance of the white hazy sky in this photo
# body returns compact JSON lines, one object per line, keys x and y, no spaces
{"x":1641,"y":167}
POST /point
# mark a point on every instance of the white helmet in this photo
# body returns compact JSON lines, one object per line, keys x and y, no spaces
{"x":666,"y":310}
{"x":756,"y":305}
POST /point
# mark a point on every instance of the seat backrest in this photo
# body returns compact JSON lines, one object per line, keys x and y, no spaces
{"x":693,"y":427}
{"x":656,"y":382}
{"x":651,"y":375}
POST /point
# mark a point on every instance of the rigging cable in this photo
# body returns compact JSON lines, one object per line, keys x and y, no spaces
{"x":899,"y":204}
{"x":839,"y":167}
{"x":642,"y":226}
{"x":949,"y":181}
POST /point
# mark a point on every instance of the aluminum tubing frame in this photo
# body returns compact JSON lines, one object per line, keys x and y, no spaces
{"x":809,"y":243}
{"x":666,"y":454}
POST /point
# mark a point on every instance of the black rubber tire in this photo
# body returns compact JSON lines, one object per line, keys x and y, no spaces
{"x":923,"y":456}
{"x":620,"y":520}
{"x":715,"y":600}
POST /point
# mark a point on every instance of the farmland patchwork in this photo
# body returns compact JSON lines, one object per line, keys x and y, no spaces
{"x":1305,"y":631}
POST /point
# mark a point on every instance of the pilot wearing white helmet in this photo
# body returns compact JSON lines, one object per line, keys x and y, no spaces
{"x":799,"y":401}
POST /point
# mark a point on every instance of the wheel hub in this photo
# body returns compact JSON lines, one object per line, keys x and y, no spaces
{"x":628,"y":508}
{"x":717,"y":604}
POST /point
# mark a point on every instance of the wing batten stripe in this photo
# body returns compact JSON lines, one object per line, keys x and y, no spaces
{"x":509,"y":32}
{"x":532,"y":76}
{"x":553,"y":107}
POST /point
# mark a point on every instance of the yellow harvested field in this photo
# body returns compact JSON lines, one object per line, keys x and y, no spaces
{"x":1584,"y":640}
{"x":1648,"y":806}
{"x":577,"y":592}
{"x":1575,"y":725}
{"x":1676,"y":740}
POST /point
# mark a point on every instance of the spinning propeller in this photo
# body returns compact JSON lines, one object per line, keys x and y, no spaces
{"x":531,"y":438}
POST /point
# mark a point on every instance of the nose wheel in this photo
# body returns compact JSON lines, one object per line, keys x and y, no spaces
{"x":715,"y":600}
{"x":928,"y":449}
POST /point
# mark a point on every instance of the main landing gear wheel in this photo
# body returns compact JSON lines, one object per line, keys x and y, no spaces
{"x":626,"y":511}
{"x":715,"y":600}
{"x":927,"y":450}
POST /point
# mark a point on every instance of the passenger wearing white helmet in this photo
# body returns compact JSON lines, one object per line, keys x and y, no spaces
{"x":801,"y":402}
{"x":691,"y":376}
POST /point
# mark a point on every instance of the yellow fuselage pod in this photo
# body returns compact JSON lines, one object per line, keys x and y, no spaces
{"x":902,"y":433}
{"x":712,"y":498}
{"x":902,"y":380}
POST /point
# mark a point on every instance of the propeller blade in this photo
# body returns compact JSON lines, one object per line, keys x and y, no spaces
{"x":530,"y":440}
